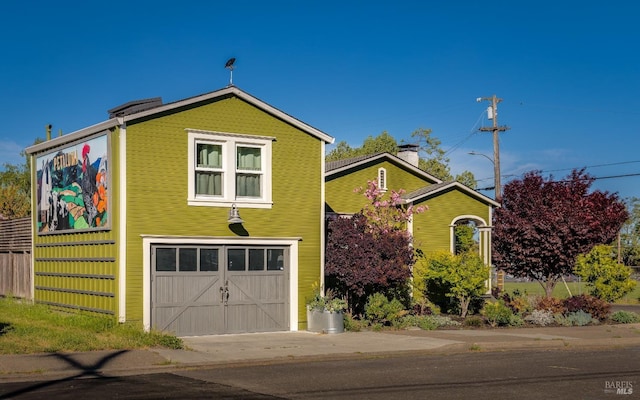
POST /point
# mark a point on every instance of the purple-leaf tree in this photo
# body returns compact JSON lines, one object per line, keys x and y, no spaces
{"x":544,"y":224}
{"x":370,"y":251}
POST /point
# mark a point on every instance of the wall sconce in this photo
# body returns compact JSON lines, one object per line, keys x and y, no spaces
{"x":234,"y":215}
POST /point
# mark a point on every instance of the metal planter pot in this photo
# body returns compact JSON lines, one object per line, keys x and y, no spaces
{"x":325,"y":321}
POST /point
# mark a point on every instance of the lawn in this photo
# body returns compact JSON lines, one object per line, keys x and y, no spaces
{"x":34,"y":328}
{"x":561,"y":292}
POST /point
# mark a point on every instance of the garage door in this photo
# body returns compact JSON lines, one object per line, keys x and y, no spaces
{"x":204,"y":290}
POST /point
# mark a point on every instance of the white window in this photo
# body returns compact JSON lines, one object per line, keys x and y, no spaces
{"x":382,"y":179}
{"x":226,"y":168}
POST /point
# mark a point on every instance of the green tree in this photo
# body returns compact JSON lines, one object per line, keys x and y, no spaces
{"x":465,"y":241}
{"x":606,"y":278}
{"x":458,"y":276}
{"x":436,"y":163}
{"x":15,"y":189}
{"x":630,"y":234}
{"x":432,"y":159}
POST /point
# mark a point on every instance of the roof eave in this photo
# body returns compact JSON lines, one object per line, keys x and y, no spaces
{"x":73,"y":136}
{"x":242,"y":95}
{"x":384,"y":155}
{"x":462,"y":187}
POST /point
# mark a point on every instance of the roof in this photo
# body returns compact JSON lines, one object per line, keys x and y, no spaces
{"x":335,"y":167}
{"x":135,"y":106}
{"x":441,"y":187}
{"x":163,"y":108}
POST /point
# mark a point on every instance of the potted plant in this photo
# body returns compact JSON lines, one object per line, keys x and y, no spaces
{"x":325,"y":314}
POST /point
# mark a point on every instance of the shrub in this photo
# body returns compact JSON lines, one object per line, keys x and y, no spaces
{"x":445,"y":277}
{"x":474,"y":321}
{"x":540,"y":317}
{"x":625,"y":317}
{"x":423,"y":306}
{"x":515,"y":320}
{"x":548,"y":304}
{"x":380,"y":310}
{"x":351,"y":324}
{"x":606,"y":278}
{"x":497,"y":313}
{"x":431,"y":322}
{"x":577,"y":318}
{"x":404,"y":322}
{"x":598,"y":309}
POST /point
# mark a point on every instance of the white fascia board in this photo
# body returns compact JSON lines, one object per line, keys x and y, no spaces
{"x":464,"y":188}
{"x":391,"y":158}
{"x":73,"y":136}
{"x":244,"y":96}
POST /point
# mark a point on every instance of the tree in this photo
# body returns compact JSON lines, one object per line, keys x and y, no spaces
{"x":434,"y":163}
{"x":459,"y":276}
{"x":607,"y":279}
{"x":383,"y":143}
{"x":371,"y":251}
{"x":15,"y":189}
{"x":543,"y":225}
{"x":630,"y":235}
{"x":465,"y":240}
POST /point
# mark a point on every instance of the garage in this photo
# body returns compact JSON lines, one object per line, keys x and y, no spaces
{"x":204,"y":289}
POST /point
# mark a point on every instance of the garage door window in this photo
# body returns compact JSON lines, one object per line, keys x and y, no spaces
{"x":186,"y":259}
{"x":207,"y":259}
{"x":255,"y":259}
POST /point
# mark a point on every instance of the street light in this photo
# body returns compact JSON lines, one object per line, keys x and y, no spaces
{"x":473,"y":153}
{"x":496,"y":185}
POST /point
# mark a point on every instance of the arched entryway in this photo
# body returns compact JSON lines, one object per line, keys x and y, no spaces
{"x":470,"y":232}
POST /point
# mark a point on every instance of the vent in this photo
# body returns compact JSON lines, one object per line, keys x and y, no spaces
{"x":135,"y":106}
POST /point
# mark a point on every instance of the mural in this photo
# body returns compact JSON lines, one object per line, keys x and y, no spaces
{"x":73,"y":188}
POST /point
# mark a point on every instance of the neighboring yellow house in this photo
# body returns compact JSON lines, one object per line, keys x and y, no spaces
{"x":449,"y":203}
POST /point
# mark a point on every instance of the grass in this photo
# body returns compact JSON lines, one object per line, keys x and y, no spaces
{"x":34,"y":328}
{"x":560,"y":291}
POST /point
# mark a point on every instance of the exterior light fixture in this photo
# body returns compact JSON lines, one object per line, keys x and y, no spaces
{"x":234,"y":215}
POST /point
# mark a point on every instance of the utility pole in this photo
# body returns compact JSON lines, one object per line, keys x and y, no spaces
{"x":492,"y":112}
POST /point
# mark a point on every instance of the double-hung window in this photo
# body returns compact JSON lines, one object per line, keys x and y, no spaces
{"x":226,"y":168}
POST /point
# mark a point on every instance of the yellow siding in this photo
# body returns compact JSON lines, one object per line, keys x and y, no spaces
{"x":341,"y":198}
{"x":431,"y":229}
{"x":157,"y":184}
{"x":80,"y":270}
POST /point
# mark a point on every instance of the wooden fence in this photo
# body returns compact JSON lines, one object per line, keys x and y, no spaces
{"x":15,"y":258}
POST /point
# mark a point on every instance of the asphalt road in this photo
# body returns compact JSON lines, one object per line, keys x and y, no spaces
{"x":548,"y":374}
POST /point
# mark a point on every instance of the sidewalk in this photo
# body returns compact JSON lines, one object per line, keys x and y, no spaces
{"x":226,"y":350}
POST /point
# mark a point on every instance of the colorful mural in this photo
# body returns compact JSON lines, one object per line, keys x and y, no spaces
{"x":73,"y":187}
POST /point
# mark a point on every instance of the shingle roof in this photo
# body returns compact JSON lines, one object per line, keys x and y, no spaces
{"x":426,"y":190}
{"x":440,"y":187}
{"x":331,"y":165}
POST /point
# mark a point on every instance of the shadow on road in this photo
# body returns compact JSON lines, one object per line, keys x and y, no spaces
{"x":84,"y":371}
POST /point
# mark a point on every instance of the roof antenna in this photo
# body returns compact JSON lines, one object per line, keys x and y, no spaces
{"x":229,"y":66}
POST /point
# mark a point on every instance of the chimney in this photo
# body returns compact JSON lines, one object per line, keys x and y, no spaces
{"x":409,"y":153}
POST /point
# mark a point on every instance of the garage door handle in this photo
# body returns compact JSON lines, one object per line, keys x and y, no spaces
{"x":224,"y":292}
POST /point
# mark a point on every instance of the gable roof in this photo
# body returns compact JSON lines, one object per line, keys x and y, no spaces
{"x":442,"y":187}
{"x":163,"y":108}
{"x":341,"y":166}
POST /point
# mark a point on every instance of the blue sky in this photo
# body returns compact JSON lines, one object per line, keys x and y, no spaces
{"x":568,"y":72}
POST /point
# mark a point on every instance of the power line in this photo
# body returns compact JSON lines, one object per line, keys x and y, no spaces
{"x":595,"y":178}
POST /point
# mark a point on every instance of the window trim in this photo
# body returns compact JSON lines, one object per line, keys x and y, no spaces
{"x":382,"y":179}
{"x":230,"y":143}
